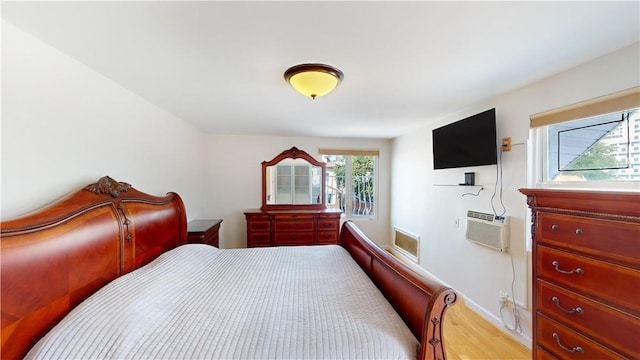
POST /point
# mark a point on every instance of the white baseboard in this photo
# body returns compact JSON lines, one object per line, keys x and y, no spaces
{"x":524,"y":339}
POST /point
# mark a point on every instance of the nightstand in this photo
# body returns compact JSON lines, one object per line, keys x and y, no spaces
{"x":203,"y":231}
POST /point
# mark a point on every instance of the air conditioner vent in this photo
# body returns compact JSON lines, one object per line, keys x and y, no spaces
{"x":481,"y":216}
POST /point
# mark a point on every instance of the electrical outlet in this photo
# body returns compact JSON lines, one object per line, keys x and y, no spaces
{"x":506,"y":144}
{"x":503,"y":298}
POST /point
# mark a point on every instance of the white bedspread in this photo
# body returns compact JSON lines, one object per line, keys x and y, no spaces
{"x":197,"y":302}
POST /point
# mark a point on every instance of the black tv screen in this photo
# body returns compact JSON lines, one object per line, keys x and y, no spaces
{"x":468,"y":142}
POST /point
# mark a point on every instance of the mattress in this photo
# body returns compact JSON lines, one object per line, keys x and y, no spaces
{"x":197,"y":302}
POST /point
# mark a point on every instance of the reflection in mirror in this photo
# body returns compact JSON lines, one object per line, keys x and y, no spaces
{"x":293,"y":182}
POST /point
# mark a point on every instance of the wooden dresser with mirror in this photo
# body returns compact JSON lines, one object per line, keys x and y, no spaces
{"x":293,"y":208}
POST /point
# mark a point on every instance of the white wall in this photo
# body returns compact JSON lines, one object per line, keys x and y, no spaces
{"x":430,"y":211}
{"x":64,"y":126}
{"x":234,"y":179}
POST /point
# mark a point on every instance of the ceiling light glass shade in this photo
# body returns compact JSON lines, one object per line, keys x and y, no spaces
{"x":313,"y":80}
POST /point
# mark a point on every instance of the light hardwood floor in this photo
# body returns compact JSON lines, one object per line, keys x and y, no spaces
{"x":468,"y":336}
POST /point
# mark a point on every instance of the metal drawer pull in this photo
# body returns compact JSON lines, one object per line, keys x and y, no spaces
{"x":572,"y":311}
{"x":577,"y":349}
{"x":579,"y":231}
{"x":554,"y":227}
{"x":556,"y":265}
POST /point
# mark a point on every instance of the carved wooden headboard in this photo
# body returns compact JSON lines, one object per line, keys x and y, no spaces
{"x":55,"y":257}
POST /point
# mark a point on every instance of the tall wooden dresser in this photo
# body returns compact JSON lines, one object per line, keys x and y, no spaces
{"x":586,"y":274}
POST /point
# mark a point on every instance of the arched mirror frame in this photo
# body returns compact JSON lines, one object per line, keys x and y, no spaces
{"x":293,"y":153}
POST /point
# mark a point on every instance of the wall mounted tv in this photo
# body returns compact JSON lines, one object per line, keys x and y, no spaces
{"x":468,"y":142}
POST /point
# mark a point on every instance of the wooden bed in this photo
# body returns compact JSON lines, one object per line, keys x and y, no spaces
{"x":54,"y":258}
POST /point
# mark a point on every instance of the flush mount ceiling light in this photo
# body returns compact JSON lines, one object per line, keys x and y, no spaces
{"x":313,"y":80}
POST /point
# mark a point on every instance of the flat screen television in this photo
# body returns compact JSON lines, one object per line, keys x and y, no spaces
{"x":467,"y":142}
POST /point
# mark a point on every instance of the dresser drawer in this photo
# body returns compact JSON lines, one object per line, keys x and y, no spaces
{"x":304,"y":225}
{"x":328,"y":224}
{"x":259,"y":239}
{"x":294,"y":238}
{"x":565,"y":343}
{"x":615,"y":240}
{"x":295,"y":217}
{"x":259,"y":225}
{"x":330,"y":216}
{"x":543,"y":354}
{"x":590,"y":317}
{"x":615,"y":285}
{"x":327,"y":237}
{"x":211,"y":239}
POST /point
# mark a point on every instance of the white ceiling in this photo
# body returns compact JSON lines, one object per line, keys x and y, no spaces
{"x":219,"y":65}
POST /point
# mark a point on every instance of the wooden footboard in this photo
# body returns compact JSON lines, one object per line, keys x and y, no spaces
{"x":420,"y":301}
{"x":56,"y":257}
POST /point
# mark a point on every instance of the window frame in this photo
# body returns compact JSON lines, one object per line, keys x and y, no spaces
{"x":538,"y":139}
{"x":348,"y":155}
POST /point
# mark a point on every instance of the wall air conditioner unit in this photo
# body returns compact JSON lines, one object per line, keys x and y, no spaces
{"x":488,"y":230}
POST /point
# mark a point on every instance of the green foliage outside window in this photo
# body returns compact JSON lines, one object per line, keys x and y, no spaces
{"x":598,"y":157}
{"x":362,"y":175}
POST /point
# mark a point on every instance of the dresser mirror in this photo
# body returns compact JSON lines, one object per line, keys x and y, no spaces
{"x":293,"y":179}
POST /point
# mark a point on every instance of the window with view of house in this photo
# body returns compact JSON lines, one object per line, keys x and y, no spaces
{"x":595,"y":148}
{"x":351,"y":181}
{"x":592,"y":144}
